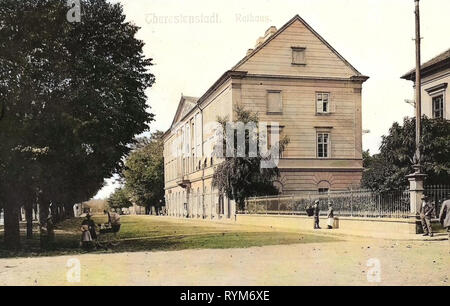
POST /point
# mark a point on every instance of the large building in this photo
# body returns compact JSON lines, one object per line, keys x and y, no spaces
{"x":293,"y":77}
{"x":435,"y":79}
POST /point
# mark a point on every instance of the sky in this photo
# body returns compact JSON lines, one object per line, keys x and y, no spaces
{"x":194,"y":42}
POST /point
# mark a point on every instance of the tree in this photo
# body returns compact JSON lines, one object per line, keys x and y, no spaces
{"x":242,"y":177}
{"x":119,"y":199}
{"x":144,"y":172}
{"x":388,"y":169}
{"x":73,"y":99}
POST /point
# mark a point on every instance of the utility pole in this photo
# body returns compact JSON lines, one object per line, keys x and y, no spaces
{"x":416,"y":179}
{"x":418,"y":92}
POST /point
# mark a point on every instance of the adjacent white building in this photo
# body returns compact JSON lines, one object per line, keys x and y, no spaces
{"x":435,"y":81}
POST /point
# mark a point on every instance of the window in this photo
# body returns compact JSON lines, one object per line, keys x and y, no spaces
{"x":322,"y":103}
{"x":272,"y":130}
{"x":274,"y":103}
{"x":323,"y":190}
{"x":438,"y":106}
{"x":298,"y":56}
{"x":323,"y":145}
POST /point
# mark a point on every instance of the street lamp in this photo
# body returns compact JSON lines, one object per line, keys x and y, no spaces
{"x":417,"y":178}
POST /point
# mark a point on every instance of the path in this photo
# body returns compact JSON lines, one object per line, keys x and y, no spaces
{"x":337,"y":263}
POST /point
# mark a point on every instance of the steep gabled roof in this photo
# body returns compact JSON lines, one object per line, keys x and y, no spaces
{"x":440,"y":61}
{"x":187,"y":104}
{"x":283,"y":28}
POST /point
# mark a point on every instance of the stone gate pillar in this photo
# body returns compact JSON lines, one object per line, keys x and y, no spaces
{"x":416,"y":189}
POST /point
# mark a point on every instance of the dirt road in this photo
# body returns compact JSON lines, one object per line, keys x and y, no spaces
{"x":337,"y":263}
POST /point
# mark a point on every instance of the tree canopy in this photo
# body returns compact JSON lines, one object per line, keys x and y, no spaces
{"x":73,"y":99}
{"x":119,"y":199}
{"x":388,"y":169}
{"x":144,"y":172}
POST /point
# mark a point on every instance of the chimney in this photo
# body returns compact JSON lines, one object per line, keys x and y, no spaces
{"x":269,"y":32}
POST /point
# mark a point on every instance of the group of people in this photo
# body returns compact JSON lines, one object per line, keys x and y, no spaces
{"x":428,"y":211}
{"x":316,"y":213}
{"x":89,"y":228}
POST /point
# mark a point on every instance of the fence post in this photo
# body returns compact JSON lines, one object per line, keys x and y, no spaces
{"x":293,"y":204}
{"x":267,"y":204}
{"x":351,"y":201}
{"x":278,"y":203}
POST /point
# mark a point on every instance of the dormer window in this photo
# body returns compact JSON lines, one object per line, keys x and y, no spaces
{"x":298,"y":56}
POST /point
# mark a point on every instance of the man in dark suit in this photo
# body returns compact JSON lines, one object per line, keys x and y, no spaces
{"x":444,"y":216}
{"x":427,"y":212}
{"x":316,"y":214}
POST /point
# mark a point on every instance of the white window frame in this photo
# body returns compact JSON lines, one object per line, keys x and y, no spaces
{"x":434,"y":92}
{"x":320,"y":102}
{"x":328,"y":144}
{"x":442,"y":96}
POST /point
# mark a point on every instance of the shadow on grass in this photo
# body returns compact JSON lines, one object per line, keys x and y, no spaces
{"x":160,"y":236}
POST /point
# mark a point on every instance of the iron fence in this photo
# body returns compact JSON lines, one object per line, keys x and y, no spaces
{"x":438,"y":194}
{"x":351,"y":203}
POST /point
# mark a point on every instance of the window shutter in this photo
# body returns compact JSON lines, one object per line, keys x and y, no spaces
{"x":332,"y":107}
{"x":319,"y":106}
{"x":298,"y":56}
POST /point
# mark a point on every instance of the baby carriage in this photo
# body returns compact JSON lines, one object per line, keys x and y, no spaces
{"x":309,"y":210}
{"x":108,"y":235}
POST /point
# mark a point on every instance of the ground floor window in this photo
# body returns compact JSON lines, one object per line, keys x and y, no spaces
{"x":323,"y":190}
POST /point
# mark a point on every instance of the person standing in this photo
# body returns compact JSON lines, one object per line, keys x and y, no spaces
{"x":316,"y":214}
{"x":91,"y":226}
{"x":444,"y":216}
{"x":330,"y":215}
{"x":426,"y":213}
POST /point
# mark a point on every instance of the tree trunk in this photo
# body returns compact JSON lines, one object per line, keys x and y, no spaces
{"x":29,"y":217}
{"x":12,"y":229}
{"x":36,"y":212}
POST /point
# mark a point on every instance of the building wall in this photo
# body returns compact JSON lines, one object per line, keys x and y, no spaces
{"x":298,"y":180}
{"x":431,"y":81}
{"x":200,"y":199}
{"x":276,"y":57}
{"x":300,"y":166}
{"x":299,"y":116}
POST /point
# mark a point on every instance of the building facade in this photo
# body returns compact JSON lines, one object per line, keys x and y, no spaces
{"x":292,"y":77}
{"x":435,"y":79}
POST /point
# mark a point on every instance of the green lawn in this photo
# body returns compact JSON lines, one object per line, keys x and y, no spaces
{"x":143,"y":233}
